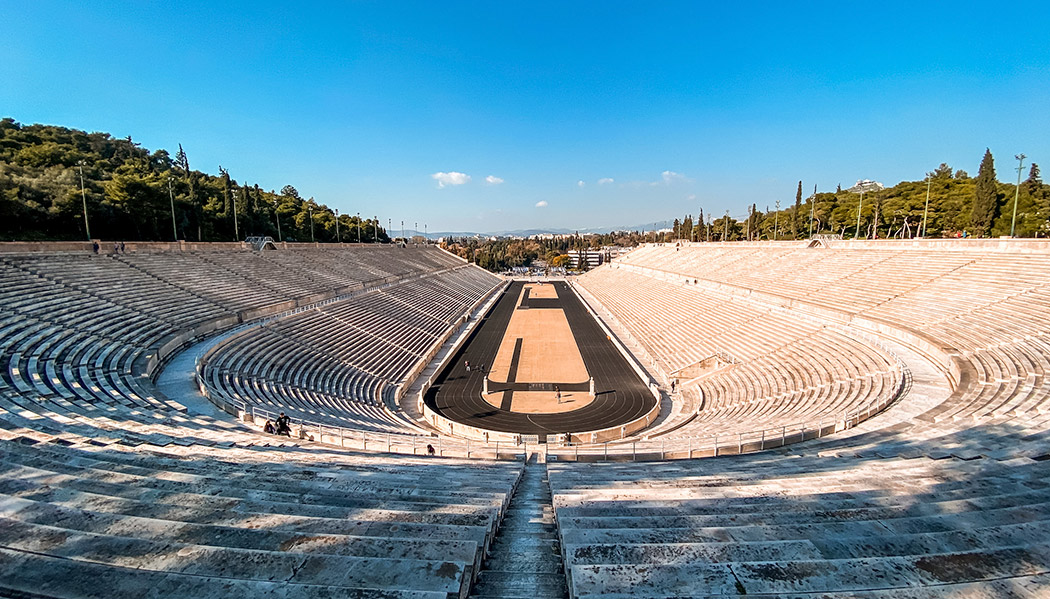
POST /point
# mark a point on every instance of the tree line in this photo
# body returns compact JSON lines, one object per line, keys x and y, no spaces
{"x":50,"y":176}
{"x":502,"y":254}
{"x":958,"y":205}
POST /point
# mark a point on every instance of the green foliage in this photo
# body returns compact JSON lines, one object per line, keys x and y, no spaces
{"x":898,"y":211}
{"x":126,"y":188}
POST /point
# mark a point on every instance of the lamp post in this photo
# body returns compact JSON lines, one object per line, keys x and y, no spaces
{"x":812,"y":211}
{"x":375,"y":229}
{"x":236,"y":232}
{"x":725,"y":235}
{"x":776,"y":223}
{"x":171,"y":196}
{"x":860,"y":207}
{"x":277,"y":217}
{"x":83,"y":197}
{"x":926,"y":210}
{"x":358,"y":227}
{"x":426,"y":236}
{"x":310,"y":214}
{"x":337,"y":238}
{"x":1017,"y":191}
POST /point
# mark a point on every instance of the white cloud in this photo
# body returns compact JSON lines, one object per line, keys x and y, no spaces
{"x":605,"y":181}
{"x":670,"y":177}
{"x":452,"y":178}
{"x":493,"y":180}
{"x":580,"y":183}
{"x":691,"y":197}
{"x":541,"y":204}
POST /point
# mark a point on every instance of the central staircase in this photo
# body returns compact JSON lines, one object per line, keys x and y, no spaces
{"x":524,"y":559}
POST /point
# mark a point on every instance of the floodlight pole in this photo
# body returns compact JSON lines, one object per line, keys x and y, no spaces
{"x":337,"y":238}
{"x":726,"y":234}
{"x":1017,"y":191}
{"x":171,"y":196}
{"x":277,"y":217}
{"x":776,"y":222}
{"x":860,"y":207}
{"x":926,"y":210}
{"x":310,"y":213}
{"x":83,"y":197}
{"x":236,"y":232}
{"x":375,"y":229}
{"x":812,"y":209}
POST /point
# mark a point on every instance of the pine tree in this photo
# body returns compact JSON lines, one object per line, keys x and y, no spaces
{"x":1034,"y":182}
{"x":985,"y":200}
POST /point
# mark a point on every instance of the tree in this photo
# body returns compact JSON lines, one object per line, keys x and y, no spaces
{"x":986,"y":196}
{"x":1034,"y":183}
{"x":942,"y":172}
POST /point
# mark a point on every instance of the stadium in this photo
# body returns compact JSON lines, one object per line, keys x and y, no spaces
{"x":776,"y":419}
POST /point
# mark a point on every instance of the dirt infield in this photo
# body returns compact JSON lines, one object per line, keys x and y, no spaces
{"x":547,"y":352}
{"x":530,"y":406}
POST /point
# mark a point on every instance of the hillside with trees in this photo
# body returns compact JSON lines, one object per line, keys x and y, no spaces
{"x":959,"y":205}
{"x":48,"y":174}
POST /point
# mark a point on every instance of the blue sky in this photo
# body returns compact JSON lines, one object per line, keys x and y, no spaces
{"x":583,"y":114}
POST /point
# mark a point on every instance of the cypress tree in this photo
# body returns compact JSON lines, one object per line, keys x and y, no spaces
{"x":985,"y":200}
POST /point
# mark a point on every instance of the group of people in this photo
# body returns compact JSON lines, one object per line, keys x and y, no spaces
{"x":480,"y":367}
{"x":118,"y":247}
{"x":282,"y":426}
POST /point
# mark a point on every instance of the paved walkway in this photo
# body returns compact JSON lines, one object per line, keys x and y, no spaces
{"x":178,"y":379}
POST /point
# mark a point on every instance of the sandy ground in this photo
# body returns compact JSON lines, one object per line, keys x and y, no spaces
{"x":548,"y":350}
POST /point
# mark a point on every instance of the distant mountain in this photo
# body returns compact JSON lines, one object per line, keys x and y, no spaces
{"x":530,"y":232}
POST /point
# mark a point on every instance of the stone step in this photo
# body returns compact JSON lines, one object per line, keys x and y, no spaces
{"x":526,"y":585}
{"x":240,"y":564}
{"x":546,"y":563}
{"x":34,"y":575}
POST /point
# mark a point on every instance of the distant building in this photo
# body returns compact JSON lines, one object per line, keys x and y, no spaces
{"x":866,"y":185}
{"x":593,"y":258}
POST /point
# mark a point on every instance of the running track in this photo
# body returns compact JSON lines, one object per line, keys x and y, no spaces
{"x":622,"y":396}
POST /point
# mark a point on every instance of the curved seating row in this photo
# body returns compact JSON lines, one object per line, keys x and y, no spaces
{"x":784,"y":370}
{"x":331,"y":365}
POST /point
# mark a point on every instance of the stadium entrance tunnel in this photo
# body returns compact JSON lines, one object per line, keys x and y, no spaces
{"x":538,"y":366}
